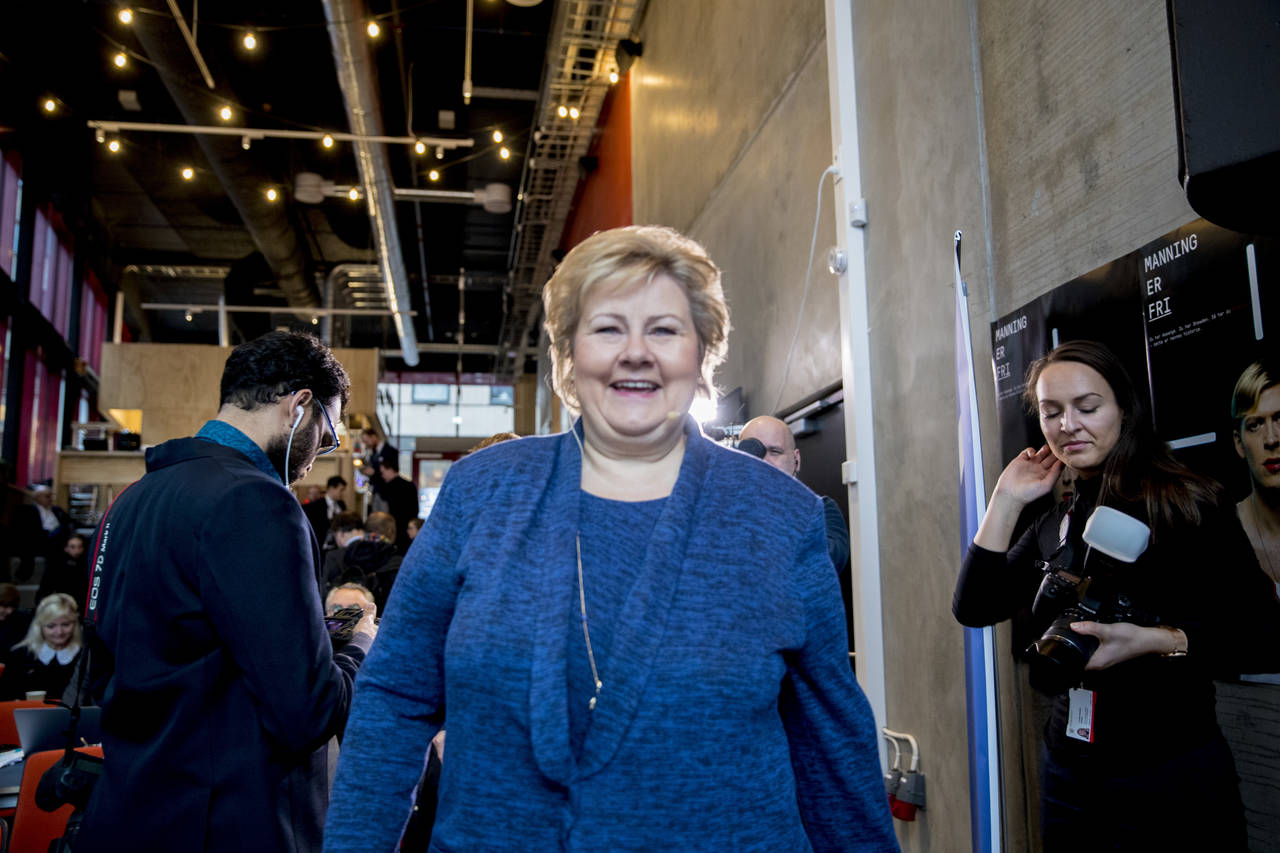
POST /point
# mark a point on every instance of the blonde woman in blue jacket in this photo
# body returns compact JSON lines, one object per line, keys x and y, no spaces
{"x":627,"y":661}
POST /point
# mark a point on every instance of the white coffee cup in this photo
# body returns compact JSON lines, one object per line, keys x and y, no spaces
{"x":35,"y":695}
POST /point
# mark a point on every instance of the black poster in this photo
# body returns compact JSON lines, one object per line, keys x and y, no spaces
{"x":1185,"y":313}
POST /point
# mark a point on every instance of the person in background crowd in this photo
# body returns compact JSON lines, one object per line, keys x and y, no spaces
{"x":46,"y":657}
{"x":226,"y":688}
{"x":39,"y":529}
{"x":402,"y":500}
{"x":13,"y":622}
{"x":374,"y":561}
{"x":1133,"y":755}
{"x":321,"y":509}
{"x":376,"y":451}
{"x":632,"y":663}
{"x":347,"y":527}
{"x":349,"y":594}
{"x":781,"y":452}
{"x":68,"y":574}
{"x":496,"y":438}
{"x":413,"y":527}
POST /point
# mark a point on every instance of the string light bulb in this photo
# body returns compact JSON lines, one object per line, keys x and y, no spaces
{"x":504,"y":152}
{"x":225,"y":113}
{"x":250,"y":41}
{"x":50,"y":105}
{"x":563,"y":112}
{"x":497,"y":136}
{"x":420,"y":147}
{"x":433,"y":175}
{"x":353,"y":194}
{"x":120,"y":60}
{"x":573,"y":113}
{"x":114,"y":146}
{"x":272,"y":195}
{"x":613,"y":77}
{"x":327,"y":141}
{"x":373,"y":30}
{"x":188,"y":173}
{"x":315,"y":321}
{"x":125,"y":15}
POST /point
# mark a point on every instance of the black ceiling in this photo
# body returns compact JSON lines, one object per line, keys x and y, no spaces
{"x":145,"y":214}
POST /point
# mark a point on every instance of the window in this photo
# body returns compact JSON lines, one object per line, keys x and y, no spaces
{"x":10,"y":199}
{"x":41,"y":430}
{"x":93,"y":322}
{"x":502,"y":395}
{"x":433,"y":394}
{"x":51,"y":273}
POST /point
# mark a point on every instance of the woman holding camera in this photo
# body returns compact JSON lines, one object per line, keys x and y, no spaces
{"x":1133,"y":757}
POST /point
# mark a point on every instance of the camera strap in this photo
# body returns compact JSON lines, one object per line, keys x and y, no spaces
{"x":101,"y":543}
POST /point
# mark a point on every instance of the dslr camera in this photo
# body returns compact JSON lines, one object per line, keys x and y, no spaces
{"x":1059,"y":657}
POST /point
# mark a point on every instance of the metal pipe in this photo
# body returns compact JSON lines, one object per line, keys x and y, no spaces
{"x":190,"y":39}
{"x":264,"y":133}
{"x":466,"y":62}
{"x":196,"y":308}
{"x":355,"y":78}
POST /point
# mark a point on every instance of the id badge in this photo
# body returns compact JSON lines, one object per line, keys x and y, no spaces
{"x":1080,"y":714}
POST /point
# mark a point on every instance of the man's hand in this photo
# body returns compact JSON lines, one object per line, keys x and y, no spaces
{"x":367,"y":625}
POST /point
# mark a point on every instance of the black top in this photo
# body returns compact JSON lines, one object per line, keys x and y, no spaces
{"x":1203,"y":579}
{"x":25,"y":672}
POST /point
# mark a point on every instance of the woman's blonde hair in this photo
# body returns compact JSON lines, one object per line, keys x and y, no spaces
{"x":624,"y":256}
{"x":50,"y":608}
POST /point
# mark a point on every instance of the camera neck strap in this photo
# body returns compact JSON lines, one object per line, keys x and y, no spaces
{"x":101,"y":544}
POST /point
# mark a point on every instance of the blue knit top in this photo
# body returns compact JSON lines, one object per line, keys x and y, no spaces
{"x":729,"y":719}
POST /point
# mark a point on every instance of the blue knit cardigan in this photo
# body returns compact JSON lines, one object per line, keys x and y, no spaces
{"x":729,"y":719}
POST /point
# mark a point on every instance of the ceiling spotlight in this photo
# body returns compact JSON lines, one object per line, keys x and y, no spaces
{"x":327,"y":141}
{"x":250,"y":41}
{"x":613,"y":77}
{"x":120,"y":60}
{"x":225,"y":113}
{"x":497,"y":136}
{"x":563,"y":112}
{"x":188,"y":173}
{"x":420,"y":147}
{"x":574,"y":113}
{"x":433,"y":175}
{"x":315,"y":321}
{"x":353,"y":194}
{"x":439,"y":152}
{"x":125,"y":15}
{"x":114,"y":146}
{"x":504,"y":152}
{"x":245,"y":142}
{"x":189,"y":317}
{"x":49,"y":105}
{"x":373,"y":30}
{"x":272,"y":195}
{"x":99,"y":137}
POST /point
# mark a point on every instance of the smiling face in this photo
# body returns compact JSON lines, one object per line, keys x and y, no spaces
{"x":635,"y":362}
{"x":1079,"y":415}
{"x":1258,"y":439}
{"x":58,"y":631}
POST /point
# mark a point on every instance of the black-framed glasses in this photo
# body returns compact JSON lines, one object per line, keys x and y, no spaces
{"x":324,"y":448}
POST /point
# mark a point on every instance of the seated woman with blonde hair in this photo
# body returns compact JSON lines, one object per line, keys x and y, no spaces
{"x":46,"y":658}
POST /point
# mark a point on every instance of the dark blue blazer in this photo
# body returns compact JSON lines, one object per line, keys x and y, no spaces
{"x":226,"y":688}
{"x":730,"y":719}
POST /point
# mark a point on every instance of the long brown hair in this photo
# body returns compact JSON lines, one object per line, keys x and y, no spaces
{"x":1140,"y":470}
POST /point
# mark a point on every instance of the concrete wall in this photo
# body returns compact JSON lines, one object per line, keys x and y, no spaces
{"x":730,"y":134}
{"x":1044,"y":131}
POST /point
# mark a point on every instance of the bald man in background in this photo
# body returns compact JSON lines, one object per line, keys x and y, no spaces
{"x":780,"y":451}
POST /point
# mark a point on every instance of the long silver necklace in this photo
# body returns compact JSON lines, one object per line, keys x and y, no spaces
{"x":582,"y":596}
{"x":586,"y":632}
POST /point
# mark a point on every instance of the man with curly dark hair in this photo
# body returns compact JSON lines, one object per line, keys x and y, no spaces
{"x":205,"y":590}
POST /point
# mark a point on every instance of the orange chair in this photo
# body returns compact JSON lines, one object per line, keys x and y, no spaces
{"x":9,"y":729}
{"x":34,"y":828}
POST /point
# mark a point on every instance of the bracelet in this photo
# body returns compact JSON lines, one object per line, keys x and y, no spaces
{"x":1177,"y":652}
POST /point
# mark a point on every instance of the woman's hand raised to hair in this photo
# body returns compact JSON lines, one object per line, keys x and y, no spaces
{"x":1029,"y":476}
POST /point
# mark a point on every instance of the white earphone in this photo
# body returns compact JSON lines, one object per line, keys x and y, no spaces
{"x":298,"y":418}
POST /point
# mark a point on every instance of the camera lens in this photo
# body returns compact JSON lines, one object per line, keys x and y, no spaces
{"x":1058,"y":658}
